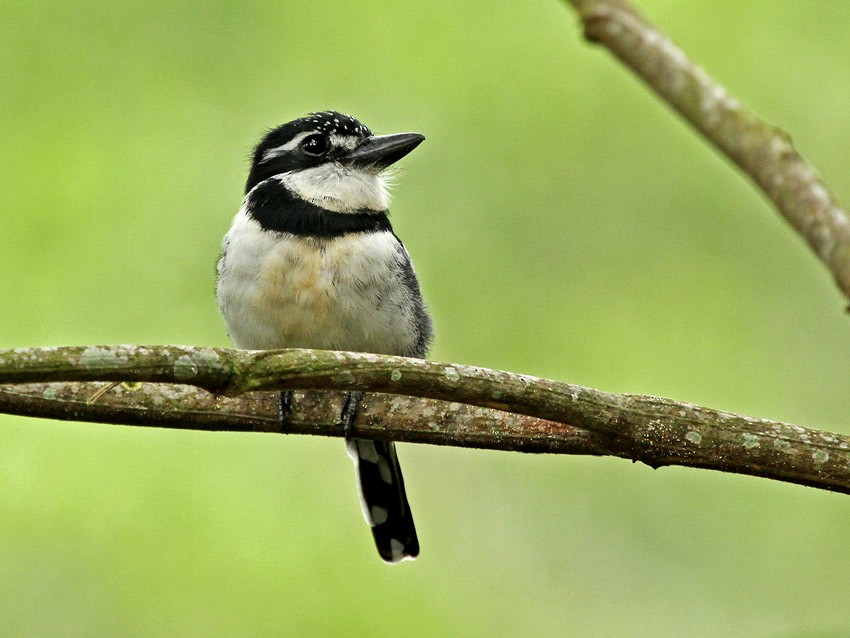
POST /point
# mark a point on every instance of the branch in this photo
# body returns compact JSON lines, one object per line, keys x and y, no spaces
{"x":765,"y":153}
{"x":548,"y":416}
{"x":398,"y":418}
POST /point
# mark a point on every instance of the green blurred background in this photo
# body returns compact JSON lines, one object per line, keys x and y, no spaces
{"x":564,"y":224}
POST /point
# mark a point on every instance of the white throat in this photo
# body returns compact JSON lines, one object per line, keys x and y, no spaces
{"x":339,"y":188}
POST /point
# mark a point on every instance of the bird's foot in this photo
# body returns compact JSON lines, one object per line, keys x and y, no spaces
{"x":349,"y":409}
{"x":284,"y":409}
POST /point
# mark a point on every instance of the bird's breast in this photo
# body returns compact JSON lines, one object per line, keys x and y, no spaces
{"x":347,"y":293}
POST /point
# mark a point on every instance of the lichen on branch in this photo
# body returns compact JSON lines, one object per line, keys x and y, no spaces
{"x":762,"y":151}
{"x":416,"y":400}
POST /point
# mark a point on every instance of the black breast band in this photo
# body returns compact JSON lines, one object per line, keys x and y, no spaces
{"x":277,"y":208}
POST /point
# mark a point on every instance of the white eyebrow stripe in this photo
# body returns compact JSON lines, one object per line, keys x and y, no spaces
{"x":346,"y":141}
{"x":285,"y":148}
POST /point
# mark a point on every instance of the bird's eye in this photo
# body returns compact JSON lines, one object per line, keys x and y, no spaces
{"x":316,"y":145}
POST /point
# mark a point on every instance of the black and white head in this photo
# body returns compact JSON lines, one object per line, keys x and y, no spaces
{"x":331,"y":160}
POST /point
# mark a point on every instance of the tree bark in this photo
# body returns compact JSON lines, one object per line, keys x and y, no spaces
{"x":456,"y":405}
{"x":762,"y":151}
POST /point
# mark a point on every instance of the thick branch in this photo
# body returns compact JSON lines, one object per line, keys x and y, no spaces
{"x":650,"y":429}
{"x":762,"y":151}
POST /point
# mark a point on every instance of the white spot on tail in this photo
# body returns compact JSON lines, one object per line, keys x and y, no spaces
{"x":379,"y":515}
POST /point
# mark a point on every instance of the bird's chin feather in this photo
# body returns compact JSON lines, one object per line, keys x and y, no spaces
{"x":340,"y":188}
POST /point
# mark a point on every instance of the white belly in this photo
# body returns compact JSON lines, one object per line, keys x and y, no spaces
{"x":346,"y":293}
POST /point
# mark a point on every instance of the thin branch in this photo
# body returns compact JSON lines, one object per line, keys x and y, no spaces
{"x":764,"y":152}
{"x":399,"y":418}
{"x":653,"y":430}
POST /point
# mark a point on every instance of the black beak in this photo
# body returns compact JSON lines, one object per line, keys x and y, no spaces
{"x":382,"y":150}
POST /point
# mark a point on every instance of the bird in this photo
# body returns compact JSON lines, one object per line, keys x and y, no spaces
{"x":311,"y":261}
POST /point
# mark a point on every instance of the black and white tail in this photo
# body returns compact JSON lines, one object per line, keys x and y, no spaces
{"x":383,"y":499}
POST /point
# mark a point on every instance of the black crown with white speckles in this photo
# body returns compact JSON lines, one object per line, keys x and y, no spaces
{"x":332,"y":122}
{"x":323,"y":123}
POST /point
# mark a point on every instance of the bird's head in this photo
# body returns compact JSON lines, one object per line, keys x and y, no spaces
{"x":326,"y":154}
